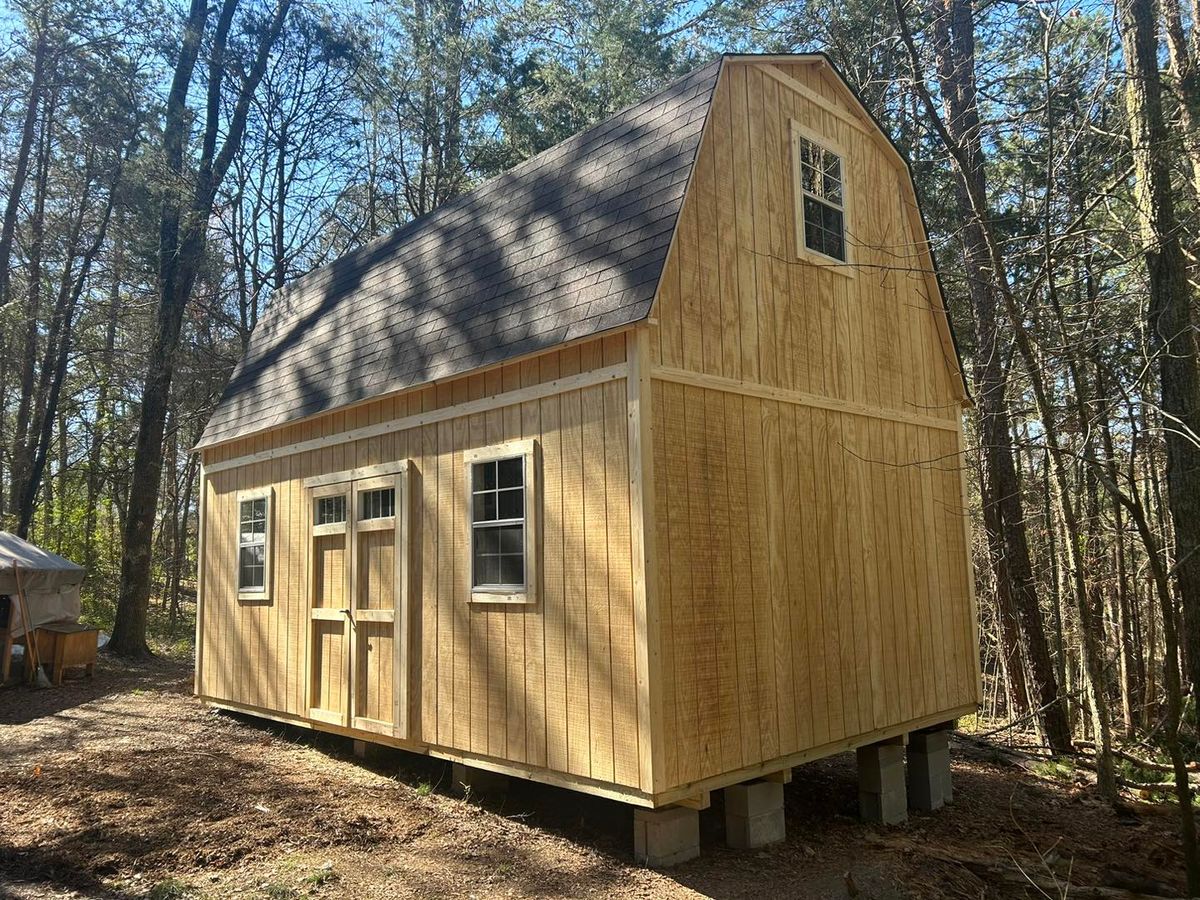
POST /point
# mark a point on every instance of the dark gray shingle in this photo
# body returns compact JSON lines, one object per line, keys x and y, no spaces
{"x":567,"y":244}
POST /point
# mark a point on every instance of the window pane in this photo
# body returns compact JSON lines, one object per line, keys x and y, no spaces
{"x":252,"y":555}
{"x":823,"y":229}
{"x":485,"y":476}
{"x":809,"y":155}
{"x":832,"y":190}
{"x":833,"y":166}
{"x":511,"y":472}
{"x":485,"y":507}
{"x":837,"y":248}
{"x":511,"y":538}
{"x":831,"y":219}
{"x":330,"y":510}
{"x":251,"y":578}
{"x":808,"y":178}
{"x":487,"y":570}
{"x":512,"y":570}
{"x":487,"y":540}
{"x":378,"y":504}
{"x":512,"y":503}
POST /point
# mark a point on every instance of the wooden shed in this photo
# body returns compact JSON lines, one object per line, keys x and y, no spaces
{"x":636,"y":470}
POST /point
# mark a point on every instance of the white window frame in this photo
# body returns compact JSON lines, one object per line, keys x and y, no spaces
{"x":527,"y":451}
{"x":254,"y":592}
{"x":842,"y":267}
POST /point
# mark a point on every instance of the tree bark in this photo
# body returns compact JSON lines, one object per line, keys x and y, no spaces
{"x":1172,"y":331}
{"x":1003,"y":511}
{"x":182,"y":234}
{"x":8,"y":228}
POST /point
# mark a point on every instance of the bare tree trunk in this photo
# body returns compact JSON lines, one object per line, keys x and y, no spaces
{"x":1182,"y":54}
{"x":94,"y":473}
{"x":1002,"y":502}
{"x":1171,"y":678}
{"x":182,"y":234}
{"x":1172,"y":331}
{"x":21,"y":462}
{"x":8,"y":228}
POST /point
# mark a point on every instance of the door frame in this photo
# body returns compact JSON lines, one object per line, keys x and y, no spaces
{"x":350,"y":483}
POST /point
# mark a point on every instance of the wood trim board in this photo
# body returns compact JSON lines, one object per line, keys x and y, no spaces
{"x":798,"y":398}
{"x":461,"y":410}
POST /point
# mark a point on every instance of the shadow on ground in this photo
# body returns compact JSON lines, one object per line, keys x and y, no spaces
{"x":118,"y":785}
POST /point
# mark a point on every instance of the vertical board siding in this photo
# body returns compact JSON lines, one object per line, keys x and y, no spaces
{"x":551,"y":685}
{"x":791,"y":654}
{"x":812,"y":575}
{"x":737,"y":301}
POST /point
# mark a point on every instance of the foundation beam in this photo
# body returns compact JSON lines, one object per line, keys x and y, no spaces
{"x":469,"y":781}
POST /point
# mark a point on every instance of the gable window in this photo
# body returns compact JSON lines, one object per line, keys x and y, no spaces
{"x":503,"y":529}
{"x":821,"y":195}
{"x":254,"y":544}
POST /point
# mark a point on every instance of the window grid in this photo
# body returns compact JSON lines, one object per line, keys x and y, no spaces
{"x":330,"y":510}
{"x":377,"y":504}
{"x":498,"y":523}
{"x":252,"y":544}
{"x":823,"y":203}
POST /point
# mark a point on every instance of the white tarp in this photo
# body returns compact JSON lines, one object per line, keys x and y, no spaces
{"x":51,"y":583}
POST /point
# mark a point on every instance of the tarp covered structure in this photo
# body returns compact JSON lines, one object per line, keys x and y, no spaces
{"x":50,"y":583}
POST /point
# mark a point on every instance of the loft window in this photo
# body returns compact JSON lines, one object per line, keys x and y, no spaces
{"x":254,"y":544}
{"x":502,"y":502}
{"x":823,"y":210}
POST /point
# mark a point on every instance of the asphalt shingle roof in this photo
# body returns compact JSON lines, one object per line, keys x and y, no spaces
{"x":568,"y":244}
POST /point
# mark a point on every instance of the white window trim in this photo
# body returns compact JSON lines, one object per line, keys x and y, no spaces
{"x":833,"y":264}
{"x":254,"y":593}
{"x":528,"y":451}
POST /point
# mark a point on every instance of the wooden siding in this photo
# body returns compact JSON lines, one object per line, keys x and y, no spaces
{"x":812,"y":577}
{"x":737,"y":301}
{"x":550,"y":686}
{"x":812,"y":580}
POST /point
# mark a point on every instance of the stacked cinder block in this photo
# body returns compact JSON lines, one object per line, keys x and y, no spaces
{"x":665,"y":837}
{"x":754,"y":814}
{"x":881,"y":794}
{"x":929,"y":784}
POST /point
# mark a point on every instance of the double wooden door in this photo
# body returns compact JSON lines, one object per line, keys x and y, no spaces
{"x":358,"y":602}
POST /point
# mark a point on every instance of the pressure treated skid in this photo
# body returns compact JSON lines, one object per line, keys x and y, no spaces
{"x":752,"y":547}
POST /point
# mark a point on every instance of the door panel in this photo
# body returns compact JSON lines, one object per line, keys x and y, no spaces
{"x":376,"y":569}
{"x":376,"y":501}
{"x":329,"y":571}
{"x":358,"y":674}
{"x":329,"y":612}
{"x":375,"y":677}
{"x":329,"y":694}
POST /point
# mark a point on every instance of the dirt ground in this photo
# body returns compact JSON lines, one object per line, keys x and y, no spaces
{"x":125,"y":786}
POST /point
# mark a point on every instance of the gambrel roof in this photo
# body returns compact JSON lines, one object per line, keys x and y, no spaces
{"x":568,"y":244}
